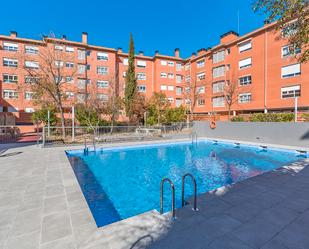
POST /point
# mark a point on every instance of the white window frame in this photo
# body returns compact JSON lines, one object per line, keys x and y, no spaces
{"x":200,"y":63}
{"x":31,"y":49}
{"x":8,"y":46}
{"x":170,"y":88}
{"x":101,"y":56}
{"x":163,"y":75}
{"x":220,"y":103}
{"x":218,"y":56}
{"x":141,"y":76}
{"x":163,"y":87}
{"x":294,"y":91}
{"x":290,"y":71}
{"x":244,"y":98}
{"x":8,"y":62}
{"x":218,"y":87}
{"x":245,"y":46}
{"x":201,"y":76}
{"x":12,"y":94}
{"x":141,"y":88}
{"x":245,"y":80}
{"x":218,"y":71}
{"x":11,"y":78}
{"x":245,"y":63}
{"x":69,"y":49}
{"x":163,"y":63}
{"x":32,"y":64}
{"x":102,"y":84}
{"x":141,"y":64}
{"x":102,"y":70}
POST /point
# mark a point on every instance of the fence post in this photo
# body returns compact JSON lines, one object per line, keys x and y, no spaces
{"x":43,"y":137}
{"x":73,"y":124}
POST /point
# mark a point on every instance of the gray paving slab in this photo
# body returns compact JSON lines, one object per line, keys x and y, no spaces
{"x":42,"y":206}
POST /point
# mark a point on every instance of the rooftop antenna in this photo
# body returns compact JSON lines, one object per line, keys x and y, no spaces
{"x":238,"y":21}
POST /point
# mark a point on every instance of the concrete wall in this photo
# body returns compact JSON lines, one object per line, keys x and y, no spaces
{"x":293,"y":134}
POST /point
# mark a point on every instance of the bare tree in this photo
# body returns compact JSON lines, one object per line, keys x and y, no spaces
{"x":114,"y":103}
{"x":192,"y":94}
{"x":231,"y":91}
{"x":49,"y":76}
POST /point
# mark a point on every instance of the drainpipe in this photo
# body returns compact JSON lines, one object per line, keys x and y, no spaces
{"x":265,"y":70}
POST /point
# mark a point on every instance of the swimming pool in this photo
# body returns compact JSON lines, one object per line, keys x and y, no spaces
{"x":122,"y":182}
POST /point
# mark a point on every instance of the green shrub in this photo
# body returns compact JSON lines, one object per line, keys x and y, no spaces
{"x":272,"y":117}
{"x":305,"y":116}
{"x":238,"y":119}
{"x":41,"y":116}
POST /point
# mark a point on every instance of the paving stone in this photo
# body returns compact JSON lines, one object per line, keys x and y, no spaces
{"x":227,"y":242}
{"x":54,"y":204}
{"x":54,"y":190}
{"x":27,"y":222}
{"x":28,"y":241}
{"x":64,"y":243}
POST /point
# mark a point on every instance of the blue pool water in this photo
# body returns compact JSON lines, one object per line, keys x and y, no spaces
{"x":122,"y":182}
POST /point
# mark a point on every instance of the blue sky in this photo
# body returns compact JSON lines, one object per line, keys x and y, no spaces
{"x":156,"y":24}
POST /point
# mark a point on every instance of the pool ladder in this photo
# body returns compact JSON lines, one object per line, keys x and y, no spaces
{"x":86,"y":149}
{"x":182,"y":193}
{"x":193,"y":137}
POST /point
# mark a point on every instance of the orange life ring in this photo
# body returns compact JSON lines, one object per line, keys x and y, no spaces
{"x":213,"y":125}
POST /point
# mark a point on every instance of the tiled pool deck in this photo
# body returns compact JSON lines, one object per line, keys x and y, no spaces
{"x":42,"y":207}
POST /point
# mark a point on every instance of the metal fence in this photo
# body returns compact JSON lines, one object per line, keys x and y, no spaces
{"x":19,"y":134}
{"x":106,"y":134}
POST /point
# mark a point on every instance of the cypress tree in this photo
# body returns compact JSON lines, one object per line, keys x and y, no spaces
{"x":131,"y":84}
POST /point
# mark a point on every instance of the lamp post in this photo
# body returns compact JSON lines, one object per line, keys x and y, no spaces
{"x":295,"y":108}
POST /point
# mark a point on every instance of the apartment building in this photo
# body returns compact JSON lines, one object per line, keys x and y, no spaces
{"x":266,"y":75}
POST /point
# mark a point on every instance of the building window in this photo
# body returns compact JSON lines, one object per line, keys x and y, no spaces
{"x":244,"y":46}
{"x":188,"y":78}
{"x":124,"y":74}
{"x":10,"y":46}
{"x":102,"y":84}
{"x":244,"y":98}
{"x":170,"y":63}
{"x":125,"y":61}
{"x":69,"y":64}
{"x":31,"y":80}
{"x":178,"y":90}
{"x":59,"y":63}
{"x":218,"y":57}
{"x":188,"y":89}
{"x":81,"y":84}
{"x":141,"y":88}
{"x":141,"y":76}
{"x":178,"y":102}
{"x":289,"y":50}
{"x":10,"y":94}
{"x":200,"y":76}
{"x":102,"y":70}
{"x":218,"y":102}
{"x":178,"y":78}
{"x":69,"y":49}
{"x":200,"y":63}
{"x":187,"y":66}
{"x":141,"y":64}
{"x":10,"y":62}
{"x":10,"y":78}
{"x":29,"y":110}
{"x":170,"y":88}
{"x":170,"y":75}
{"x":163,"y":63}
{"x":178,"y":66}
{"x":218,"y":71}
{"x":28,"y":95}
{"x":163,"y":87}
{"x":200,"y":89}
{"x":102,"y":56}
{"x":170,"y":99}
{"x":245,"y":63}
{"x":163,"y":75}
{"x":81,"y":54}
{"x":59,"y":47}
{"x":69,"y":95}
{"x":290,"y":71}
{"x":102,"y":97}
{"x":290,"y":92}
{"x":31,"y":50}
{"x":201,"y":102}
{"x":245,"y":80}
{"x":81,"y":68}
{"x":68,"y":79}
{"x":218,"y":87}
{"x":32,"y":64}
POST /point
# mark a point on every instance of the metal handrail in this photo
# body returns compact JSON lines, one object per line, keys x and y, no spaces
{"x":183,"y":191}
{"x":85,"y":147}
{"x":173,"y":196}
{"x":193,"y":136}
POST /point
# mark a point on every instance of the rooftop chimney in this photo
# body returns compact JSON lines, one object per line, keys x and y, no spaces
{"x":156,"y":52}
{"x":193,"y":55}
{"x":177,"y":52}
{"x":85,"y":37}
{"x":266,"y":22}
{"x":13,"y":34}
{"x":119,"y":50}
{"x":64,"y":37}
{"x":140,"y":53}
